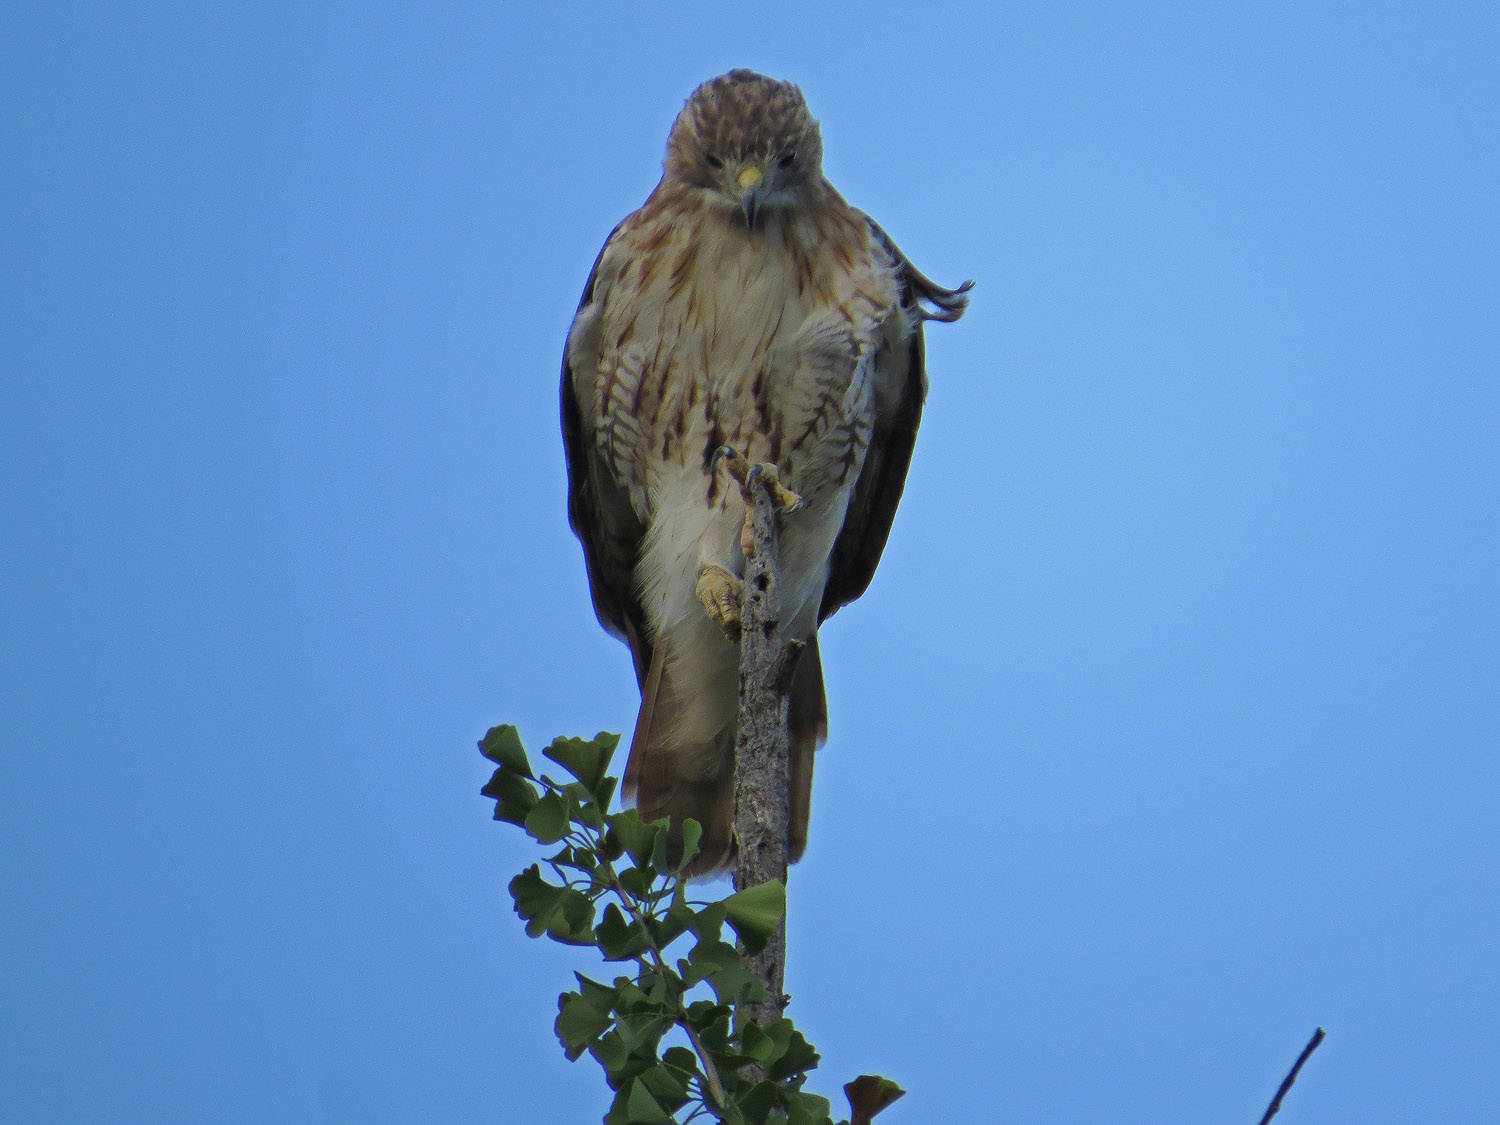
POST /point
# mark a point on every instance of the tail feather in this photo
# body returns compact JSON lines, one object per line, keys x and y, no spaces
{"x":669,"y":775}
{"x":807,"y":720}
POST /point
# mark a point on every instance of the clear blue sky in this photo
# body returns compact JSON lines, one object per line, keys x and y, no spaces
{"x":1166,"y":733}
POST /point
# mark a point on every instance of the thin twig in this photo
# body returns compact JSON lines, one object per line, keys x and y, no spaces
{"x":1286,"y":1083}
{"x":710,"y":1072}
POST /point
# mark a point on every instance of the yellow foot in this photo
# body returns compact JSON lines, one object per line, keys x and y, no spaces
{"x":783,"y":497}
{"x":721,"y":593}
{"x":750,"y":475}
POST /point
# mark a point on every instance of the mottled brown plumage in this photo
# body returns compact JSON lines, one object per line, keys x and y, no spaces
{"x":744,"y":304}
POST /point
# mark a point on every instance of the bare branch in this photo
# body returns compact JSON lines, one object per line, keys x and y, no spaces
{"x":1286,"y":1083}
{"x":762,"y":798}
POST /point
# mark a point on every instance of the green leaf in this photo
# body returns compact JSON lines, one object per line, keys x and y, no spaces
{"x":573,"y":922}
{"x":868,"y":1095}
{"x":720,"y":965}
{"x":633,"y":998}
{"x":692,"y":832}
{"x":642,"y":1107}
{"x":708,"y":921}
{"x":711,"y":1021}
{"x":536,"y":899}
{"x":609,"y":845}
{"x":757,"y":1044}
{"x":758,"y":1101}
{"x":601,"y":996}
{"x":661,"y":986}
{"x":502,"y":745}
{"x":547,"y":822}
{"x":755,"y":913}
{"x":628,"y":1109}
{"x":618,"y":939}
{"x":586,"y":761}
{"x":797,"y":1056}
{"x":666,"y":1087}
{"x":669,"y":927}
{"x":809,"y":1109}
{"x":635,"y":836}
{"x":594,"y":813}
{"x":681,"y":1060}
{"x":612,"y":1054}
{"x":513,"y":795}
{"x":575,"y":796}
{"x":637,"y":881}
{"x":578,"y":1024}
{"x":707,"y":958}
{"x":641,"y":1032}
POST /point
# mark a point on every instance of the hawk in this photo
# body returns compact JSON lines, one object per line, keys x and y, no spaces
{"x":744,"y":305}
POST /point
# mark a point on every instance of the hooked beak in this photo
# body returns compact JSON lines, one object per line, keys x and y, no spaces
{"x":751,"y":194}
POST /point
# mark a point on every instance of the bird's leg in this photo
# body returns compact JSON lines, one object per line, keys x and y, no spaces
{"x":721,"y":593}
{"x":749,"y":475}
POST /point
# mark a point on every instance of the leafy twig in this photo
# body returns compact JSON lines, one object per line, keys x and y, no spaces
{"x":710,"y":1071}
{"x":622,"y":862}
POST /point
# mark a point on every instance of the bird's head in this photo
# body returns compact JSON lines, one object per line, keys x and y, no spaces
{"x":747,"y":142}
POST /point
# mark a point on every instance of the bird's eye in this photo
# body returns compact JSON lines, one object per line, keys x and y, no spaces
{"x":713,"y":161}
{"x":786,"y":160}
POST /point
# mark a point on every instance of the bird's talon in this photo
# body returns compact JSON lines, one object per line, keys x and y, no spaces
{"x":733,"y":462}
{"x":721,"y":593}
{"x":752,"y":474}
{"x":785,"y":499}
{"x":769,"y":478}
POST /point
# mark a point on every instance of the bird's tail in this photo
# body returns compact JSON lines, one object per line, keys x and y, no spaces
{"x":682,"y":756}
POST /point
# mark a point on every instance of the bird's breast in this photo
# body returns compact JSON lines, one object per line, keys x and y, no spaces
{"x":711,"y":335}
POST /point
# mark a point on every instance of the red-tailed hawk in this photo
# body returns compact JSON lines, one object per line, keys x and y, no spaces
{"x":744,"y":305}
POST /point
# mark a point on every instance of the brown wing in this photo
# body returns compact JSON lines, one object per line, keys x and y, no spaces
{"x":872,"y":507}
{"x":604,"y":521}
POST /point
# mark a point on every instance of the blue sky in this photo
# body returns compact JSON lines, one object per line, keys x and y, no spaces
{"x":1166,"y":732}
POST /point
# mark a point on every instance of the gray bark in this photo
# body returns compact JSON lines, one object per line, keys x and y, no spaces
{"x":762,"y":781}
